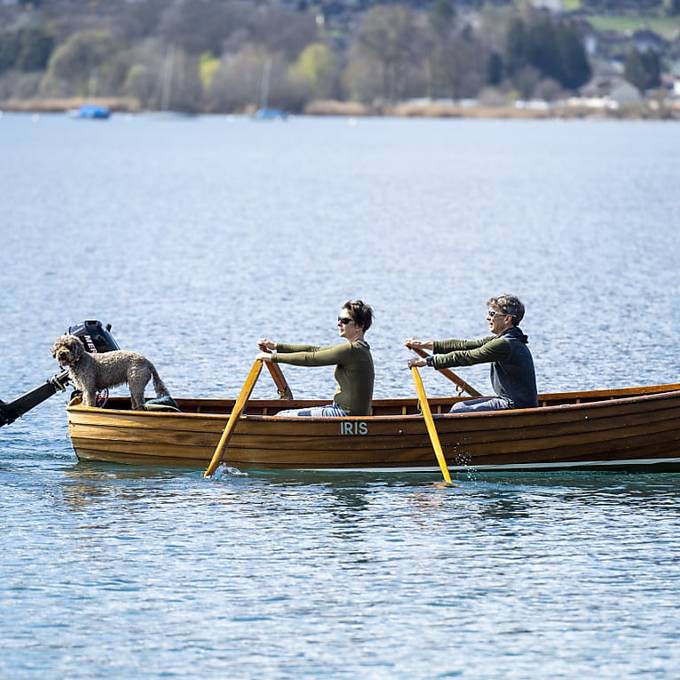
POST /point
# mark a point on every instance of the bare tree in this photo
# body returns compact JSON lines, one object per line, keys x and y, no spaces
{"x":239,"y":82}
{"x":389,"y":36}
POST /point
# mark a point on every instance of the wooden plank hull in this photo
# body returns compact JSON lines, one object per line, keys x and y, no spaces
{"x":636,"y":428}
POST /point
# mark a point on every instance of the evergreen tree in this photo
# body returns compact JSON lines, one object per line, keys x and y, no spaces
{"x":9,"y":47}
{"x":35,"y":48}
{"x":516,"y":47}
{"x":672,"y":7}
{"x":495,"y":69}
{"x":643,"y":69}
{"x":442,"y":16}
{"x":552,"y":48}
{"x":574,"y":66}
{"x":542,"y":49}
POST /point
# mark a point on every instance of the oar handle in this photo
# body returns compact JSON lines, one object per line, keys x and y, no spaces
{"x":448,"y":373}
{"x":243,"y":397}
{"x":429,"y":423}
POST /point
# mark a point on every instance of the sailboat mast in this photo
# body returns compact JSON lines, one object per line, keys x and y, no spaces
{"x":264,"y":85}
{"x":166,"y":85}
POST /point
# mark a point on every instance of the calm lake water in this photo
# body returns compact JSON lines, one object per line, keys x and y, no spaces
{"x":195,"y":237}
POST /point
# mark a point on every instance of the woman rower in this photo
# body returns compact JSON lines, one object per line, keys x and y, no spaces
{"x":354,"y":372}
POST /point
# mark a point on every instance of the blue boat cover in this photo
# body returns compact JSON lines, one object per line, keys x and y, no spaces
{"x":93,"y":111}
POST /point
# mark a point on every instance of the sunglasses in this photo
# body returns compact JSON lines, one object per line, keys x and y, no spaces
{"x":492,"y":312}
{"x":344,"y":320}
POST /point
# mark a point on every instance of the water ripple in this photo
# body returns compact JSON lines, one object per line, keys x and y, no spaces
{"x":200,"y":238}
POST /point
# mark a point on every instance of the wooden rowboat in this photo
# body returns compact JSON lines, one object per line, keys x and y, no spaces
{"x":635,"y":428}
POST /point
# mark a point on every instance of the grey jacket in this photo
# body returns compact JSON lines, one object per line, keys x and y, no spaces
{"x":512,"y":366}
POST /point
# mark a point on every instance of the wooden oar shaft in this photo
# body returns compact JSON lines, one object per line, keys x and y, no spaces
{"x":243,"y":397}
{"x":429,"y":423}
{"x":280,"y":381}
{"x":448,"y":373}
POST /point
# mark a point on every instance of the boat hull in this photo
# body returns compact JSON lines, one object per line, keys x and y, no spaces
{"x":637,"y":429}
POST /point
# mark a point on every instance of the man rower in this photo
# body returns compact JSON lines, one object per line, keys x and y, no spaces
{"x":512,"y":367}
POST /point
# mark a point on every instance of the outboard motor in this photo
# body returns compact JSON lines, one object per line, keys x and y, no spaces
{"x":95,"y":336}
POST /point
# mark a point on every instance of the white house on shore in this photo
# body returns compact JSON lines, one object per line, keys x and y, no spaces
{"x":611,"y":91}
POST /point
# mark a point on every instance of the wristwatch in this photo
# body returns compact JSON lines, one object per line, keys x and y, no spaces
{"x":429,"y":360}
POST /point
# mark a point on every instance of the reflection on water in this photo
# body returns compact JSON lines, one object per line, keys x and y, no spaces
{"x":371,"y":567}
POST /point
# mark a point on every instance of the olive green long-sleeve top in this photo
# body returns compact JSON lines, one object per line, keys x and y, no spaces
{"x":512,"y":368}
{"x":354,"y":371}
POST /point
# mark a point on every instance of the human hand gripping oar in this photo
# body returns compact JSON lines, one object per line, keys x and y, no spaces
{"x":243,"y":397}
{"x":446,"y":372}
{"x":429,"y":423}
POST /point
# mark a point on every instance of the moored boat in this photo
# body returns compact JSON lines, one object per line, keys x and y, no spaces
{"x":91,"y":112}
{"x":636,"y":428}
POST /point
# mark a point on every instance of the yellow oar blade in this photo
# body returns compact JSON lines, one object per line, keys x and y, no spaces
{"x":243,"y":397}
{"x":429,"y":423}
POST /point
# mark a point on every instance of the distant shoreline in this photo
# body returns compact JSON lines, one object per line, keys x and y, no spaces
{"x":646,"y":110}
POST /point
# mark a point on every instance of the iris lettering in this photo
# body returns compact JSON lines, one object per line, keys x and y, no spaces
{"x":353,"y":428}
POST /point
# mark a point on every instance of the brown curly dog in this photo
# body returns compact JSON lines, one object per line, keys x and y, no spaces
{"x":92,"y":372}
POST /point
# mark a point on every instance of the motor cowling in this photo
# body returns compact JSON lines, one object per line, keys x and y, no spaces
{"x":95,"y":336}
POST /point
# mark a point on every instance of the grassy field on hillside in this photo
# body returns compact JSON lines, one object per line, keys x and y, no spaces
{"x":668,"y":27}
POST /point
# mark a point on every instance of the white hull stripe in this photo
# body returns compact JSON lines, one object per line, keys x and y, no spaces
{"x":509,"y":466}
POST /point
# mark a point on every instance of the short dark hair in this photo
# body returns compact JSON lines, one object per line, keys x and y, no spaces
{"x":361,"y":313}
{"x":510,"y":305}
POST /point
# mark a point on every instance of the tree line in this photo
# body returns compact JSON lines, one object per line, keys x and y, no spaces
{"x":228,"y":55}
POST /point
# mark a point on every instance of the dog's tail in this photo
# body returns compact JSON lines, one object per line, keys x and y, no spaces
{"x":158,"y":384}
